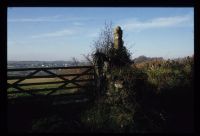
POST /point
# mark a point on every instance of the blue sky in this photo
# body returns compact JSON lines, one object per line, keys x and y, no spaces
{"x":63,"y":33}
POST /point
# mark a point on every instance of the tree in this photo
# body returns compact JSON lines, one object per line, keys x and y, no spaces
{"x":75,"y":62}
{"x":105,"y":45}
{"x":105,"y":40}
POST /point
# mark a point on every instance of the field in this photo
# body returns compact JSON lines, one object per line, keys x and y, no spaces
{"x":47,"y":84}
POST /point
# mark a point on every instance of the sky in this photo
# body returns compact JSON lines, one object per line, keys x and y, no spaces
{"x":49,"y":34}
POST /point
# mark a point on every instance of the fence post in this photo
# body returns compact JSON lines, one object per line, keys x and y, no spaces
{"x":100,"y":59}
{"x":98,"y":76}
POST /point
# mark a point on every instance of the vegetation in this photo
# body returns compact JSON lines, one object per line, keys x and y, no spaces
{"x":157,"y":97}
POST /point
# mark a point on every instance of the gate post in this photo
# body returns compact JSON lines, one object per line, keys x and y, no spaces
{"x":99,"y":60}
{"x":97,"y":86}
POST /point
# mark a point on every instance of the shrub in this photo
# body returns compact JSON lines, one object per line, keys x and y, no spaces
{"x":115,"y":112}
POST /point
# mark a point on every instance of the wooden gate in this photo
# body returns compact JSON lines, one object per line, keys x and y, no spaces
{"x":54,"y":79}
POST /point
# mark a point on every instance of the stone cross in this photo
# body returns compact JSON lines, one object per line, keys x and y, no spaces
{"x":118,"y":42}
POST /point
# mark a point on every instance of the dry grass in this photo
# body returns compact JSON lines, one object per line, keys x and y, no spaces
{"x":36,"y":80}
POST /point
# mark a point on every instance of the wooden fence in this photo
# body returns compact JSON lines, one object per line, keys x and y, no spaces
{"x":83,"y":79}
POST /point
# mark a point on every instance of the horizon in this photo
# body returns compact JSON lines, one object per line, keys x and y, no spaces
{"x":86,"y":60}
{"x":59,"y":34}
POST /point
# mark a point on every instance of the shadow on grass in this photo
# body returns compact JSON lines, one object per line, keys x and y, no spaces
{"x":172,"y":109}
{"x":47,"y":114}
{"x":178,"y":102}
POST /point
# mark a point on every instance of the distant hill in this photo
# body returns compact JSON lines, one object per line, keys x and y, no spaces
{"x":30,"y":64}
{"x":145,"y":59}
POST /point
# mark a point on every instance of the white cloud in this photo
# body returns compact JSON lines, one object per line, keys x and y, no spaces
{"x":92,"y":34}
{"x":59,"y":33}
{"x":55,"y":18}
{"x":37,"y":19}
{"x":78,"y":24}
{"x":16,"y":42}
{"x":161,"y":22}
